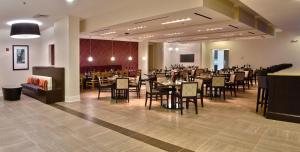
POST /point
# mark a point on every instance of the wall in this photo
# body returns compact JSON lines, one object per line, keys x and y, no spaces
{"x":261,"y":52}
{"x":66,"y":39}
{"x":102,"y":52}
{"x":143,"y":57}
{"x":173,"y":57}
{"x":156,"y":56}
{"x":36,"y":58}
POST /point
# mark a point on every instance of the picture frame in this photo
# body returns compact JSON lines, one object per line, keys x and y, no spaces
{"x":20,"y":57}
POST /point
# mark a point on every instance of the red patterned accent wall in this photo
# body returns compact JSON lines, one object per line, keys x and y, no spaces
{"x":102,"y":52}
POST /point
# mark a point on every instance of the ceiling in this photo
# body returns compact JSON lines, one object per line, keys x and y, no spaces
{"x":199,"y":28}
{"x":205,"y":24}
{"x":284,"y":14}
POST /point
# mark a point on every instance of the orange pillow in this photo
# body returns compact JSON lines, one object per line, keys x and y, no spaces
{"x":36,"y":81}
{"x":43,"y":84}
{"x":29,"y":80}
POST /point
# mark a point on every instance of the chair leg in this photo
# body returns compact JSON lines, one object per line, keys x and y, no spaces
{"x":161,"y":99}
{"x":266,"y":102}
{"x":146,"y":99}
{"x":263,"y":97}
{"x":150,"y":102}
{"x":224,"y":96}
{"x":181,"y":106}
{"x":99,"y":94}
{"x":258,"y":98}
{"x":234,"y":87}
{"x":187,"y":103}
{"x":202,"y":104}
{"x":127,"y":95}
{"x":196,"y":105}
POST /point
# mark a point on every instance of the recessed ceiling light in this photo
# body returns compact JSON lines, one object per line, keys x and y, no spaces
{"x":70,"y":1}
{"x":177,"y":21}
{"x":108,"y":33}
{"x":172,"y":34}
{"x":24,"y":21}
{"x":137,"y":28}
{"x":146,"y":36}
{"x":215,"y":29}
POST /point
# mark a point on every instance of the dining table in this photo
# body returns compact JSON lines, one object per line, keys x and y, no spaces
{"x":173,"y":86}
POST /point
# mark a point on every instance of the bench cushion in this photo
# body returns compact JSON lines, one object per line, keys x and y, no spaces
{"x":31,"y":87}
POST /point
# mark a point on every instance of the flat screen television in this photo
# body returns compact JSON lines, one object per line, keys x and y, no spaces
{"x":187,"y":57}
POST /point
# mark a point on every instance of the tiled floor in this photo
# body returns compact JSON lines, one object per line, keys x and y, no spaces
{"x":29,"y":125}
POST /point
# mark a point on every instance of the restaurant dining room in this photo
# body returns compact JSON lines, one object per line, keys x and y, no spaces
{"x":150,"y":76}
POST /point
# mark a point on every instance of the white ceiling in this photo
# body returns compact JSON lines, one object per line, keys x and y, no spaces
{"x":283,"y":14}
{"x":15,"y":9}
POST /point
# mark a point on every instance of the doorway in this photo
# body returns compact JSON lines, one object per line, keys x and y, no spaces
{"x":220,"y":59}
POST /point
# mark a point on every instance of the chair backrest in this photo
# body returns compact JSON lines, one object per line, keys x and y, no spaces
{"x":148,"y":86}
{"x":189,"y":89}
{"x":246,"y":74}
{"x":240,"y":76}
{"x":218,"y":81}
{"x":137,"y":79}
{"x":200,"y":83}
{"x":262,"y":82}
{"x":232,"y":78}
{"x":122,"y":83}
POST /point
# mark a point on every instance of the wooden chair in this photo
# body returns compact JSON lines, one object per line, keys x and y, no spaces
{"x":103,"y":84}
{"x":136,"y":86}
{"x":240,"y":79}
{"x":188,"y":91}
{"x":122,"y":88}
{"x":151,"y":92}
{"x":93,"y":82}
{"x":218,"y":83}
{"x":200,"y":90}
{"x":231,"y":84}
{"x":262,"y":93}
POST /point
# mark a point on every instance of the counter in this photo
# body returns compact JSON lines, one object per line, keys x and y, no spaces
{"x":284,"y":97}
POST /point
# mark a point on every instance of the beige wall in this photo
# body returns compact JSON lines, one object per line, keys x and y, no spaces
{"x":143,"y":57}
{"x":156,"y":56}
{"x":173,"y":57}
{"x":262,"y":52}
{"x":36,"y":58}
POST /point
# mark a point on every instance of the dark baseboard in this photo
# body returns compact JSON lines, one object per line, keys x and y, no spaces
{"x":283,"y":117}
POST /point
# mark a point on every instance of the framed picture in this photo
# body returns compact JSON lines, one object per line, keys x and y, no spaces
{"x":20,"y":57}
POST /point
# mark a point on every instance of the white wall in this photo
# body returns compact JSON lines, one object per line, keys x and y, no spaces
{"x":143,"y":57}
{"x":66,"y":39}
{"x":47,"y":38}
{"x":173,"y":57}
{"x":261,"y":52}
{"x":36,"y":58}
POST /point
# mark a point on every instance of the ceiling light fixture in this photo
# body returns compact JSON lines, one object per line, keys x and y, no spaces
{"x":176,"y":49}
{"x":112,"y":51}
{"x":177,"y":21}
{"x":24,"y":29}
{"x":170,"y":49}
{"x":146,"y":37}
{"x":108,"y":33}
{"x":173,"y":34}
{"x":90,"y":58}
{"x":70,"y":1}
{"x":214,"y":29}
{"x":130,"y":57}
{"x":137,"y":28}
